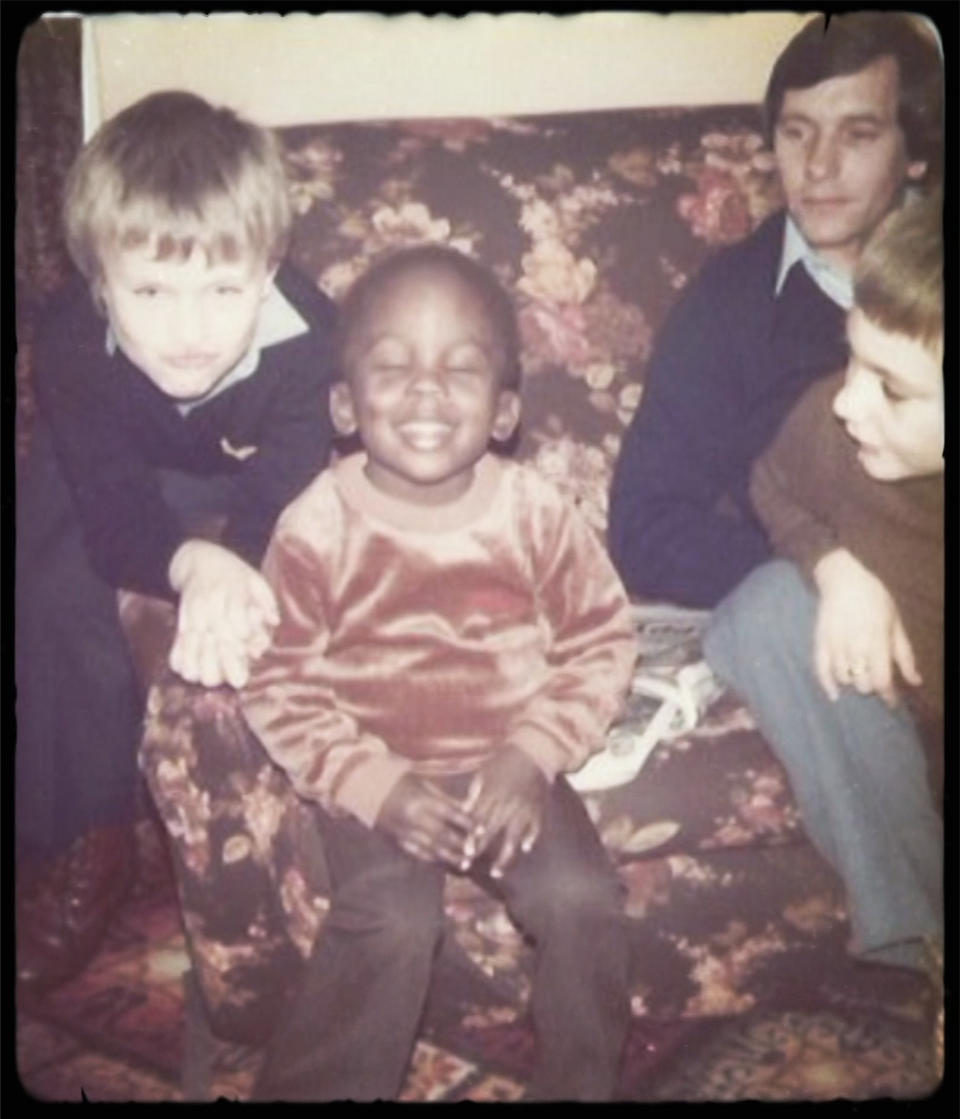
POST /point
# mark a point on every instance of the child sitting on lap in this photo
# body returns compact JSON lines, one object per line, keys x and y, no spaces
{"x":839,"y":652}
{"x":452,"y":639}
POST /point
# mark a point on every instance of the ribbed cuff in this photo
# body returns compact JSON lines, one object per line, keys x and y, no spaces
{"x":368,"y":786}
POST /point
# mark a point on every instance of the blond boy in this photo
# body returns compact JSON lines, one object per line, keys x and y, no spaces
{"x":181,"y":386}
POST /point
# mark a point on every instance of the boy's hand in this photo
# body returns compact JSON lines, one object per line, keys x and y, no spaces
{"x":425,"y":822}
{"x":227,"y":611}
{"x":507,"y":798}
{"x":859,"y":637}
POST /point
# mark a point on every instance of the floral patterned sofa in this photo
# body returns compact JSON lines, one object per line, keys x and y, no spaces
{"x":597,"y":222}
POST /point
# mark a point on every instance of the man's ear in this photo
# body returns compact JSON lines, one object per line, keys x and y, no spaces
{"x":507,"y":416}
{"x":916,"y":170}
{"x":342,"y":412}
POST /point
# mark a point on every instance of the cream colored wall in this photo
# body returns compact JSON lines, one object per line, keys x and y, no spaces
{"x":351,"y":66}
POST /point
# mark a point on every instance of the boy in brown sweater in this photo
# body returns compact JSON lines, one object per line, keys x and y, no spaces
{"x":839,"y":651}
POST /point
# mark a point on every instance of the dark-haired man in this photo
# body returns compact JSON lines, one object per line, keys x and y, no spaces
{"x":853,"y":111}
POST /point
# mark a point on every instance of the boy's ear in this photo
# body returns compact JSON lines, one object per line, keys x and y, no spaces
{"x":99,"y":300}
{"x":916,"y":170}
{"x":268,"y":280}
{"x":507,"y":416}
{"x":342,"y":411}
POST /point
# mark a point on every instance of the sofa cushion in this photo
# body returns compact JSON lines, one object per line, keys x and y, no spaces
{"x":715,"y":906}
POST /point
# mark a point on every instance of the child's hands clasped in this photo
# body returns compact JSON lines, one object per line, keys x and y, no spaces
{"x":506,"y":801}
{"x":226,"y":615}
{"x":503,"y":811}
{"x":859,"y":639}
{"x":426,"y":822}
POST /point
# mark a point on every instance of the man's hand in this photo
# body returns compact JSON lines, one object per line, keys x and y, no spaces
{"x":426,"y":822}
{"x":506,"y":801}
{"x":859,"y":637}
{"x":227,"y":611}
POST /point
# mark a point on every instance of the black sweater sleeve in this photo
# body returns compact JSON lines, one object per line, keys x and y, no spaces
{"x":729,"y":364}
{"x":666,"y":535}
{"x":94,"y":408}
{"x":113,"y":432}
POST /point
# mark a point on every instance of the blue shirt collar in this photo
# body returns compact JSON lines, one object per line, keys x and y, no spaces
{"x":278,"y":321}
{"x":836,"y":285}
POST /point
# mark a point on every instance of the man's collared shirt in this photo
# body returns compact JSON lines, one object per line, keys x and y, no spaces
{"x":836,"y":285}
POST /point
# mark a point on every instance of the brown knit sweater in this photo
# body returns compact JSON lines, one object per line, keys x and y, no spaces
{"x":428,"y":639}
{"x":812,"y":495}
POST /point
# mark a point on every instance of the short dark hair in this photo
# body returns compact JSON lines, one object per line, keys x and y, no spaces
{"x":836,"y":46}
{"x":432,"y":257}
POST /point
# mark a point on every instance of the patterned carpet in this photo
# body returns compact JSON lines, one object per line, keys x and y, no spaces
{"x":116,"y":1034}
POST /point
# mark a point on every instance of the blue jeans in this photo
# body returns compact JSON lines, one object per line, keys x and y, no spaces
{"x":857,"y":767}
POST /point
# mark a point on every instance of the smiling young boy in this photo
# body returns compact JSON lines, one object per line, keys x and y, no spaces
{"x":181,"y":389}
{"x":840,"y":651}
{"x":452,"y":640}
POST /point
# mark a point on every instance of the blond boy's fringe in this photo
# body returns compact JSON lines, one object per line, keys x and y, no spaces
{"x":218,"y":183}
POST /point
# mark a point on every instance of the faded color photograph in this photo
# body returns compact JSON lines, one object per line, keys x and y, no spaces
{"x":479,"y":557}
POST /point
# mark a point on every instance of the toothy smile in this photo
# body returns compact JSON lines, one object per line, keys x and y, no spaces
{"x":426,"y":434}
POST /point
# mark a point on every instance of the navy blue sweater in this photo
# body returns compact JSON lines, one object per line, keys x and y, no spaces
{"x":730,"y":362}
{"x":113,"y":430}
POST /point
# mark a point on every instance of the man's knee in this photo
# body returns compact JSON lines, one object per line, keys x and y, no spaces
{"x":757,"y":614}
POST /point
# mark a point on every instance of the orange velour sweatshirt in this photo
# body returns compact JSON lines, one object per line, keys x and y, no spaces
{"x":428,"y":639}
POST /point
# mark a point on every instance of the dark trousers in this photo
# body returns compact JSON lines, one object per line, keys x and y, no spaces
{"x":353,"y":1023}
{"x":79,"y":703}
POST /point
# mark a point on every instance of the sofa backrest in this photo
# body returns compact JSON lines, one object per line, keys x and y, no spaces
{"x":595,"y":221}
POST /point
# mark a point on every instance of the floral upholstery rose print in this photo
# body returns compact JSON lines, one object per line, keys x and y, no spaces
{"x":710,"y":924}
{"x":596,"y":222}
{"x":248,"y":864}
